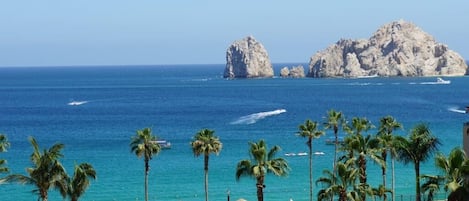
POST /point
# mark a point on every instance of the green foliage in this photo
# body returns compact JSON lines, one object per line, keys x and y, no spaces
{"x":310,"y":131}
{"x":417,"y":148}
{"x":262,"y":162}
{"x":47,"y":171}
{"x":144,"y":144}
{"x":4,"y":145}
{"x":204,"y":143}
{"x":80,"y":180}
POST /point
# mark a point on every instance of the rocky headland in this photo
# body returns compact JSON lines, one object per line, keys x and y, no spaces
{"x":247,"y":58}
{"x":396,"y":49}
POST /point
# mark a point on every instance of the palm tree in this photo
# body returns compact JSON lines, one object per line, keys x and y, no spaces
{"x":204,"y":143}
{"x":385,"y":135}
{"x":340,"y":183}
{"x":416,"y":149}
{"x":364,"y":147}
{"x":80,"y":180}
{"x":334,"y":120}
{"x":455,"y":169}
{"x":262,"y":162}
{"x":381,"y":191}
{"x":309,"y":130}
{"x":144,"y":144}
{"x":47,"y":171}
{"x":432,"y":185}
{"x":4,"y":145}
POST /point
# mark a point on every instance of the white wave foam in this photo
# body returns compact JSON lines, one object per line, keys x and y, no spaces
{"x":253,"y":118}
{"x":456,"y":109}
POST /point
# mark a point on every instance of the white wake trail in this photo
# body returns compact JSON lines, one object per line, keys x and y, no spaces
{"x":457,"y":110}
{"x":253,"y":118}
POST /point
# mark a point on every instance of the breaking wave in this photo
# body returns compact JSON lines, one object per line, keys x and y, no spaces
{"x":253,"y":118}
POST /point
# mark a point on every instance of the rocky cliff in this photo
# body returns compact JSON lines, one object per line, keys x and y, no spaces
{"x":247,"y":58}
{"x":397,"y":49}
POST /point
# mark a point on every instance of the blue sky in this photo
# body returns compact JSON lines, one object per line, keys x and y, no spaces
{"x":117,"y":32}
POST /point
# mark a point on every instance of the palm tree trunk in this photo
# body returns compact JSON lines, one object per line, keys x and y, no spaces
{"x":147,"y":168}
{"x":393,"y":180}
{"x":43,"y":195}
{"x":362,"y":170}
{"x":384,"y":156}
{"x":206,"y":176}
{"x":336,"y":144}
{"x":335,"y":152}
{"x":260,"y":188}
{"x":310,"y":145}
{"x":417,"y":181}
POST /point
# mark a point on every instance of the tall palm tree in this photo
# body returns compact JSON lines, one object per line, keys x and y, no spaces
{"x":80,"y":180}
{"x":310,"y":130}
{"x":262,"y":162}
{"x":205,"y":143}
{"x":4,"y":145}
{"x":385,"y":135}
{"x":455,"y":168}
{"x":364,"y":147}
{"x":144,"y":144}
{"x":334,"y":120}
{"x":339,"y":184}
{"x":47,"y":171}
{"x":417,"y":148}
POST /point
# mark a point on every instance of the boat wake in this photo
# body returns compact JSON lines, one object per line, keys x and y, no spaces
{"x":457,"y":110}
{"x":76,"y":103}
{"x":253,"y":118}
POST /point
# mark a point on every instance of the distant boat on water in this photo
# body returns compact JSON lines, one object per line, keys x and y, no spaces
{"x":75,"y":103}
{"x":440,"y":80}
{"x":164,"y":144}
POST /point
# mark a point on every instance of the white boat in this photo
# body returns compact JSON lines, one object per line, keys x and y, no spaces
{"x":302,"y":154}
{"x":319,"y":153}
{"x":290,"y":154}
{"x":164,"y":144}
{"x":440,"y":80}
{"x":75,"y":103}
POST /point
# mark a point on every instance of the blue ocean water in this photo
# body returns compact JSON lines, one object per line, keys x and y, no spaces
{"x":179,"y":100}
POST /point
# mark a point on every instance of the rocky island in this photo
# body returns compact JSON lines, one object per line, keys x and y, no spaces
{"x":396,"y":49}
{"x":247,"y":58}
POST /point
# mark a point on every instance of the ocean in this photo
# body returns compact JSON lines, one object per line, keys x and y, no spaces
{"x":177,"y":101}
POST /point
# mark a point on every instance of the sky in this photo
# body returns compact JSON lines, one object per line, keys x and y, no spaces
{"x":161,"y":32}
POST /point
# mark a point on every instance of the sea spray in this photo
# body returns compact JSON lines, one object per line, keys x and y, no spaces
{"x":253,"y":118}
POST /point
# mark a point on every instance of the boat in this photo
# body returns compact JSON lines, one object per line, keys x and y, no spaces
{"x":331,"y":140}
{"x":440,"y":80}
{"x":319,"y":153}
{"x":164,"y":144}
{"x":75,"y":103}
{"x":302,"y":154}
{"x":290,"y":154}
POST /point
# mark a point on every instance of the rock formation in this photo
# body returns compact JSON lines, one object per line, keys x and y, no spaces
{"x":247,"y":58}
{"x":396,"y":49}
{"x":294,"y":72}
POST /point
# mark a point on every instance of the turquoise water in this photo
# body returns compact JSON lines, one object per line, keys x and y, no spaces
{"x":178,"y":101}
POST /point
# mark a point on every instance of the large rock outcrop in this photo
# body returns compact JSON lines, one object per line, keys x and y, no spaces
{"x":396,"y":49}
{"x":294,"y":72}
{"x":247,"y":58}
